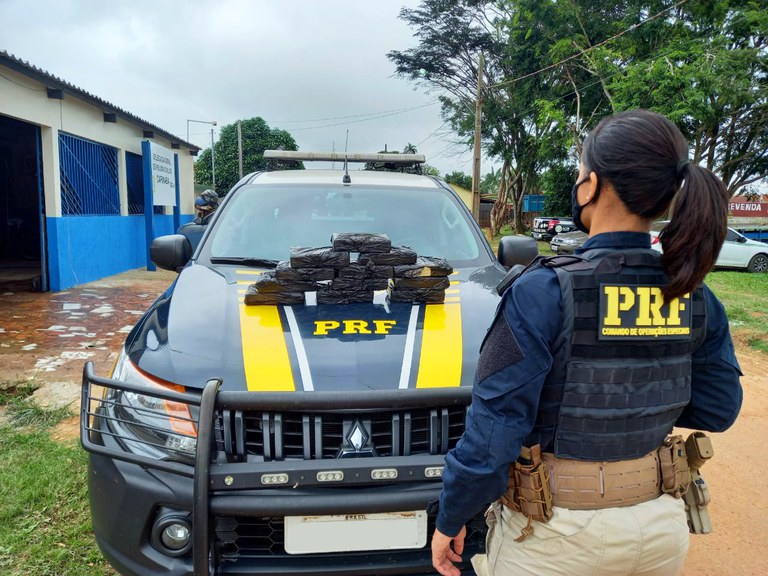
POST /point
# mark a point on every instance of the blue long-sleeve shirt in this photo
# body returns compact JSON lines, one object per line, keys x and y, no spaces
{"x":504,"y":404}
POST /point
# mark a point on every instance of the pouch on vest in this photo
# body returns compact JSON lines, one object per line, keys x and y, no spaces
{"x":528,"y":491}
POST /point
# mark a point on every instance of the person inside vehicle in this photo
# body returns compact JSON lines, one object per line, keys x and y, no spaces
{"x":205,"y":206}
{"x":589,"y":364}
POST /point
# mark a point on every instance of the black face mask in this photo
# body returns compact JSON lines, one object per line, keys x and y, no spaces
{"x":576,"y":208}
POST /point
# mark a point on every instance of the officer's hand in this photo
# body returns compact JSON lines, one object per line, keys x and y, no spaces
{"x":442,"y":555}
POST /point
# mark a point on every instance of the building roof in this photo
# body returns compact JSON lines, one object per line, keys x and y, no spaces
{"x":56,"y":83}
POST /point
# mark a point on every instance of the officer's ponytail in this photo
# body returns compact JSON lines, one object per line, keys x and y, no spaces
{"x":696,"y":231}
{"x":644,"y":156}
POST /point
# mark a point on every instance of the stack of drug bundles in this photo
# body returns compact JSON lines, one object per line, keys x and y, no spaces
{"x":357,"y":281}
{"x":423,"y":281}
{"x":330,"y":272}
{"x":288,"y":282}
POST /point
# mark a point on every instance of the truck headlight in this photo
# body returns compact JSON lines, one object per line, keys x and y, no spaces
{"x":147,"y":424}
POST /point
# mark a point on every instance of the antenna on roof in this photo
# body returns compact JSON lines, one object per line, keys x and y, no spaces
{"x":346,"y":179}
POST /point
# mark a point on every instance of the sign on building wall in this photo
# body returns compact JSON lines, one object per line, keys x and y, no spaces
{"x":163,"y":176}
{"x":740,"y":206}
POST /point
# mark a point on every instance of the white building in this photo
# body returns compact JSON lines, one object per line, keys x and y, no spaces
{"x":72,"y":182}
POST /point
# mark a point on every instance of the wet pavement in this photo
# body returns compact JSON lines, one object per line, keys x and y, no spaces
{"x":49,"y":336}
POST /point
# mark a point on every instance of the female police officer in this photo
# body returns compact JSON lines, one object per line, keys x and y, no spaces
{"x":589,"y":364}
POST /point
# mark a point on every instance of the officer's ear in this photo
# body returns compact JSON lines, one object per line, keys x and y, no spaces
{"x":592,"y":185}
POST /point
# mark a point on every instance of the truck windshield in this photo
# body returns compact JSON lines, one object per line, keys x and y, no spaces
{"x":263,"y":222}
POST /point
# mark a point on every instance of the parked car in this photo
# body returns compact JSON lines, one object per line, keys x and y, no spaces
{"x":567,"y":242}
{"x":738,"y":251}
{"x":242,"y":437}
{"x":545,"y":227}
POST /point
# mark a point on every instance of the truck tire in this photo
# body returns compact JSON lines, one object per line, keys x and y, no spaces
{"x":758,"y":263}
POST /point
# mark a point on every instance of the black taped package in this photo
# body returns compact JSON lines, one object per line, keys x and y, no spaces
{"x":361,"y":242}
{"x":255,"y":298}
{"x":417,"y":295}
{"x":375,"y":283}
{"x":347,"y":284}
{"x":354,"y":270}
{"x":424,"y":266}
{"x":429,"y":282}
{"x":268,"y":283}
{"x":325,"y":257}
{"x":398,"y":256}
{"x":283,"y":271}
{"x":330,"y":296}
{"x":369,"y":270}
{"x":375,"y":271}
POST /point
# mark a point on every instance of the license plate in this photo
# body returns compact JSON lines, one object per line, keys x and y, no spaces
{"x":554,"y":248}
{"x":537,"y":235}
{"x":355,"y":532}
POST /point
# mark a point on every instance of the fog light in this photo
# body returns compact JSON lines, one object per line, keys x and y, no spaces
{"x":384,"y":474}
{"x":434,"y":472}
{"x":175,"y":536}
{"x":330,"y":476}
{"x":274,"y":479}
{"x":172,"y":534}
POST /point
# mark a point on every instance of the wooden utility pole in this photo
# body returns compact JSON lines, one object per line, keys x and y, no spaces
{"x":478,"y":127}
{"x":240,"y":148}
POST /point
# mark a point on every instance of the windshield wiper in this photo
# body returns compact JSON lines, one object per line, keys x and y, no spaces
{"x":244,"y":261}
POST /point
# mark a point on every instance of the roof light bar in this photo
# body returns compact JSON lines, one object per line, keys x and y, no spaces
{"x":340,"y":157}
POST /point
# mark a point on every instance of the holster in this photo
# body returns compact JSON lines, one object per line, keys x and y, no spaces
{"x":698,"y":450}
{"x":528,"y":490}
{"x":675,"y":473}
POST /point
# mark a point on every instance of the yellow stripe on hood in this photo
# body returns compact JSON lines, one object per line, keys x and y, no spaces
{"x":441,"y":346}
{"x":265,"y":353}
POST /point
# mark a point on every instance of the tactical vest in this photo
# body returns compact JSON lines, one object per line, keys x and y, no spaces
{"x":621,"y":371}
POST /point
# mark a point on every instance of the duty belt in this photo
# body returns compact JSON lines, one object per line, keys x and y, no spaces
{"x":539,"y":481}
{"x":584,"y":485}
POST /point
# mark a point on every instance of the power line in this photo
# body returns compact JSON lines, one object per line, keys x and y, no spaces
{"x":572,"y":56}
{"x":366,"y":119}
{"x":393,"y":111}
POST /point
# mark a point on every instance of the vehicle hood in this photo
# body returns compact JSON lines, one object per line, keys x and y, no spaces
{"x":201,"y":329}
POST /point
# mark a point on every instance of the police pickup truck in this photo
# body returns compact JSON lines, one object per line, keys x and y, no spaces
{"x":292,"y":438}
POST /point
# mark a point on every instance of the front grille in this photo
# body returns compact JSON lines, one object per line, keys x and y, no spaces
{"x":240,"y":537}
{"x":276,"y":436}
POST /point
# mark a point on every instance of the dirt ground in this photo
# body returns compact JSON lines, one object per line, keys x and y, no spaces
{"x":48,"y":337}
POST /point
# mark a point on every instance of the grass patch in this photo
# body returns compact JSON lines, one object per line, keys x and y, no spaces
{"x":13,"y":390}
{"x":45,"y":526}
{"x":744,"y":296}
{"x":24,"y":412}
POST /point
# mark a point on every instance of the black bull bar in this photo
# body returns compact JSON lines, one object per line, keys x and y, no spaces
{"x":215,"y":488}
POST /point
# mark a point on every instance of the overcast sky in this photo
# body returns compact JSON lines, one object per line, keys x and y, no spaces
{"x":314,"y":68}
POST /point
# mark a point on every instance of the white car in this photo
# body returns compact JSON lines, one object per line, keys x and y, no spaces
{"x":738,"y":251}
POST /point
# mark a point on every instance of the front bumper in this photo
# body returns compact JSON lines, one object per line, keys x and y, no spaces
{"x":237,"y":521}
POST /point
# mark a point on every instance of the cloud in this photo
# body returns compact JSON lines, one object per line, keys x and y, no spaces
{"x":295,"y":63}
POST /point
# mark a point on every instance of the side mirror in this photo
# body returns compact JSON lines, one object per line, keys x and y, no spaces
{"x":170,"y":252}
{"x":517,"y":250}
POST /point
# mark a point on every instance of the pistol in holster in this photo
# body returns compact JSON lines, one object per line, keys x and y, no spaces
{"x":698,"y":449}
{"x":528,"y":491}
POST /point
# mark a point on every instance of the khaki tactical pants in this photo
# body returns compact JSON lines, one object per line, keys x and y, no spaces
{"x":648,"y":539}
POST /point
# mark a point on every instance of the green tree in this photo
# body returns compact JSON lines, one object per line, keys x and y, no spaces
{"x":710,"y":77}
{"x":460,"y":179}
{"x":452,"y":36}
{"x":554,"y":69}
{"x":257,"y":137}
{"x":556,"y":184}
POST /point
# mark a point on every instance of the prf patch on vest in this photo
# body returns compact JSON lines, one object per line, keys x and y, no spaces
{"x":638,"y":312}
